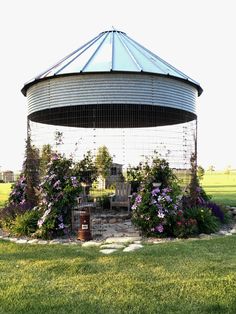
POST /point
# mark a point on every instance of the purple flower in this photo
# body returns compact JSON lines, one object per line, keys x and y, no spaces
{"x":168,"y":199}
{"x":166,"y":190}
{"x":138,"y":199}
{"x":159,"y":207}
{"x":55,"y":157}
{"x":159,"y":228}
{"x":60,"y":218}
{"x":198,"y":189}
{"x":61,"y":226}
{"x":75,"y":182}
{"x":155,"y":191}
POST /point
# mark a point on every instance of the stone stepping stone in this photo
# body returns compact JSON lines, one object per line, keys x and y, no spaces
{"x":6,"y":238}
{"x":13,"y":239}
{"x":21,"y":241}
{"x":42,"y":242}
{"x":90,"y":243}
{"x":112,"y":246}
{"x":133,"y":247}
{"x":108,"y":251}
{"x":222,"y":232}
{"x":33,"y":241}
{"x":233,"y":231}
{"x":55,"y":242}
{"x":122,"y":239}
{"x":204,"y":236}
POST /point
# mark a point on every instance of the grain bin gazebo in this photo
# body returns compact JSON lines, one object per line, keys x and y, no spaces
{"x":114,"y":91}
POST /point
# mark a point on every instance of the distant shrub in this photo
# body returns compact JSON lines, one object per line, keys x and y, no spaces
{"x":26,"y":224}
{"x":206,"y":221}
{"x":9,"y":213}
{"x":104,"y":201}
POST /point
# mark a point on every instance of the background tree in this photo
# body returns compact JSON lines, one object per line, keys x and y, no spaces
{"x":103,"y":161}
{"x":86,"y":169}
{"x":211,"y":168}
{"x":228,"y":169}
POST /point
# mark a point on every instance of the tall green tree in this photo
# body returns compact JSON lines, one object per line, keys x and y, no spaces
{"x":45,"y":157}
{"x":31,"y":171}
{"x":103,"y":161}
{"x":194,"y":181}
{"x":86,"y":169}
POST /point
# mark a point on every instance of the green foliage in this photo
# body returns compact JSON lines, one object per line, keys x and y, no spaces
{"x":206,"y":221}
{"x":31,"y":170}
{"x":86,"y":169}
{"x":9,"y":213}
{"x":103,"y":161}
{"x":104,"y":201}
{"x":26,"y":224}
{"x":45,"y":157}
{"x":58,"y":138}
{"x":152,"y":170}
{"x":194,"y":182}
{"x":200,"y":172}
{"x":158,"y":170}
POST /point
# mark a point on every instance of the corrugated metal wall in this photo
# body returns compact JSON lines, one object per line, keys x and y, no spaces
{"x":111,"y":88}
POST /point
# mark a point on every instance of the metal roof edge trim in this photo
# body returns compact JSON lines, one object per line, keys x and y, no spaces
{"x":29,"y":84}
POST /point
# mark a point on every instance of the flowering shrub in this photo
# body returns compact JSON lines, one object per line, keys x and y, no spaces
{"x":18,"y":192}
{"x":17,"y":204}
{"x":58,"y":194}
{"x":157,"y":213}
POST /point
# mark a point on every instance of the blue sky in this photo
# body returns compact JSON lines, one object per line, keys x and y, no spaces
{"x":197,"y":37}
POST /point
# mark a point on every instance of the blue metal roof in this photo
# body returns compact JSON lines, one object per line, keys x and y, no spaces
{"x":113,"y":51}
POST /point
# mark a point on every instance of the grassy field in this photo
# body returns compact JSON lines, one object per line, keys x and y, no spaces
{"x":4,"y":192}
{"x":178,"y":277}
{"x":222,"y":187}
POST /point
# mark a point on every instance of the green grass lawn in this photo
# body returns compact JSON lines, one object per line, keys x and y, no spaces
{"x":222,"y":187}
{"x":5,"y":189}
{"x":177,"y":277}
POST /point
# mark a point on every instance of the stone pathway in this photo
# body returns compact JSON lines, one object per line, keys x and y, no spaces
{"x":119,"y":236}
